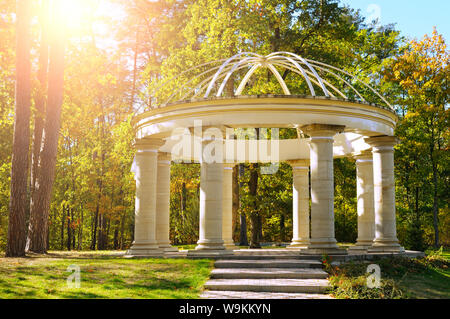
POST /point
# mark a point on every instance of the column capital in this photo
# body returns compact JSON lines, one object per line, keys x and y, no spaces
{"x":164,"y":158}
{"x":299,"y":164}
{"x":365,"y":155}
{"x":322,"y":130}
{"x":147,"y":144}
{"x":228,"y":166}
{"x":380,"y":141}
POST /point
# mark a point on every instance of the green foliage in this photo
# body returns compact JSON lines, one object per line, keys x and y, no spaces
{"x":184,"y":203}
{"x":414,"y":239}
{"x":420,"y":76}
{"x":345,"y":200}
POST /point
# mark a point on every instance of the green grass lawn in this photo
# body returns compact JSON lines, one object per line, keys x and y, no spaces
{"x":103,"y":275}
{"x":421,"y":278}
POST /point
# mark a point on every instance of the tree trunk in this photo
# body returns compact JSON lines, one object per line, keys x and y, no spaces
{"x":116,"y":235}
{"x":435,"y":187}
{"x":80,"y":230}
{"x":69,"y":231}
{"x":254,"y":216}
{"x":40,"y":100}
{"x":72,"y":216}
{"x":63,"y":218}
{"x":235,"y":200}
{"x":19,"y":162}
{"x":254,"y":239}
{"x":282,"y":228}
{"x":260,"y":234}
{"x":435,"y":207}
{"x":102,"y":232}
{"x":94,"y":229}
{"x":122,"y":231}
{"x":40,"y":201}
{"x":243,"y":240}
{"x":183,"y":198}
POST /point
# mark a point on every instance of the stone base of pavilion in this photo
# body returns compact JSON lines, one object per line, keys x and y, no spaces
{"x":209,"y":253}
{"x":168,"y":248}
{"x":144,"y":252}
{"x":348,"y":255}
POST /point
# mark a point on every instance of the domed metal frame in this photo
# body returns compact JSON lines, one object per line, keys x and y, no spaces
{"x":203,"y":84}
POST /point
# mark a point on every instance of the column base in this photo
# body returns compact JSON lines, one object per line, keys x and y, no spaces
{"x":320,"y":246}
{"x":229,"y":245}
{"x":144,"y":250}
{"x":323,"y":251}
{"x":299,"y":244}
{"x":210,"y":244}
{"x":386,"y":246}
{"x":361,"y":246}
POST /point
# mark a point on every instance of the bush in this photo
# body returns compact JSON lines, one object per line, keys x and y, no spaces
{"x":349,"y":280}
{"x":414,"y":239}
{"x":343,"y":287}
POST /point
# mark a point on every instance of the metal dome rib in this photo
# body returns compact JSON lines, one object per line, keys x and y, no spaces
{"x":220,"y":71}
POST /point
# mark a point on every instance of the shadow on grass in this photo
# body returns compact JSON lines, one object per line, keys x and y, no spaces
{"x":430,"y":284}
{"x":81,"y":295}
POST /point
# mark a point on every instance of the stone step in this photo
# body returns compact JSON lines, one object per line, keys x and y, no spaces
{"x":316,"y":286}
{"x":266,"y":252}
{"x":269,"y":273}
{"x":277,"y":263}
{"x":270,"y":257}
{"x":226,"y":294}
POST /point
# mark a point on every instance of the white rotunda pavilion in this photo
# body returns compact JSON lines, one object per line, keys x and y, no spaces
{"x":338,"y":116}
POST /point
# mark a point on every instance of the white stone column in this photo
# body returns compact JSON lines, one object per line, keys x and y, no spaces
{"x":365,"y":203}
{"x":227,"y":207}
{"x":163,"y":202}
{"x":322,"y":188}
{"x":384,"y":194}
{"x":145,"y":169}
{"x":211,"y":194}
{"x":300,"y":204}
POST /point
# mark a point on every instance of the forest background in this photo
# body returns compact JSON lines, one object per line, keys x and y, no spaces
{"x":115,"y":57}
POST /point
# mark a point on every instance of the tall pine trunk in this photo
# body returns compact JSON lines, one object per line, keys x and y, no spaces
{"x":19,"y":163}
{"x":40,"y":99}
{"x":40,"y":201}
